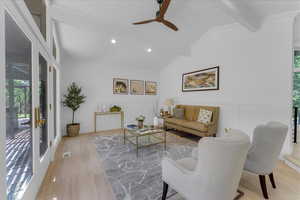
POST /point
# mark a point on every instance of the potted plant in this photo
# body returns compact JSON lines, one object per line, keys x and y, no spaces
{"x":73,"y":99}
{"x":140,"y":120}
{"x":115,"y":108}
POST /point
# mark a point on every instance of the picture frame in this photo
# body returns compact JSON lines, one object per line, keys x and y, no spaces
{"x":120,"y":86}
{"x":150,"y":88}
{"x":201,"y":80}
{"x":137,"y":87}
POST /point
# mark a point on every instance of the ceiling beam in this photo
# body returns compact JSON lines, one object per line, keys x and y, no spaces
{"x":243,"y":13}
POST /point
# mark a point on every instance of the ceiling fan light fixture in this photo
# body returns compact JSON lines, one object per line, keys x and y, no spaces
{"x":149,"y":50}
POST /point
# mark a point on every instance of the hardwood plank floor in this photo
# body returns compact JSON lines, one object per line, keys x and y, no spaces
{"x":81,"y":176}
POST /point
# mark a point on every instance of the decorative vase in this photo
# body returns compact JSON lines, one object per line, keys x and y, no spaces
{"x":73,"y":129}
{"x":155,"y":121}
{"x":104,"y":108}
{"x":140,"y":123}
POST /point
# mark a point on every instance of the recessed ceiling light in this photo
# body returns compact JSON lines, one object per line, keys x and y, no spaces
{"x":113,"y":41}
{"x":149,"y":50}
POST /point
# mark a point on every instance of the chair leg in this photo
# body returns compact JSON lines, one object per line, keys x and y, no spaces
{"x":271,"y":176}
{"x":165,"y":191}
{"x":262,"y":180}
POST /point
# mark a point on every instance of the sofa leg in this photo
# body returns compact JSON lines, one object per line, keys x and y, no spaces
{"x":262,"y":180}
{"x":271,"y":176}
{"x":165,"y":191}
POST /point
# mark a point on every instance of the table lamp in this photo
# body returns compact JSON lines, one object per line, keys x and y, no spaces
{"x":169,"y":103}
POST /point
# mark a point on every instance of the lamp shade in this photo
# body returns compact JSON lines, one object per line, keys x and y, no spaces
{"x":169,"y":102}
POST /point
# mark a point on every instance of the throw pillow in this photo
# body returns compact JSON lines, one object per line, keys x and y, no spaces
{"x":178,"y":113}
{"x":205,"y":116}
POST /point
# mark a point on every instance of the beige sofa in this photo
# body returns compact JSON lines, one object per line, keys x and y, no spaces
{"x":190,"y":124}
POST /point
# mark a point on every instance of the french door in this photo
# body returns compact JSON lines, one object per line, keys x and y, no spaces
{"x":28,"y":127}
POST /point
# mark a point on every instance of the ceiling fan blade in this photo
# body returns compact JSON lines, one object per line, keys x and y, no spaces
{"x":164,"y":8}
{"x":170,"y":25}
{"x":145,"y":22}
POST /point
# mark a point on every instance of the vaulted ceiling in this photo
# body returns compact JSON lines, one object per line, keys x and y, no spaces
{"x":86,"y":27}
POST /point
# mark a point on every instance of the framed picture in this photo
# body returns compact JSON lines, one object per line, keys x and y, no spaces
{"x":150,"y":88}
{"x":120,"y":86}
{"x":201,"y":80}
{"x":137,"y":87}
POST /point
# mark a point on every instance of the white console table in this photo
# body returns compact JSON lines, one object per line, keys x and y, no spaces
{"x":108,"y":113}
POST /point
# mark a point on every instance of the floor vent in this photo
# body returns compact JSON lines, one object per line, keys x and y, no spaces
{"x":66,"y":154}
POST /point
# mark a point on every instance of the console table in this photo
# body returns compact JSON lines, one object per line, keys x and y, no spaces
{"x":108,"y":113}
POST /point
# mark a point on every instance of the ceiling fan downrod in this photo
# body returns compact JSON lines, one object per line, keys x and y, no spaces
{"x":160,"y":1}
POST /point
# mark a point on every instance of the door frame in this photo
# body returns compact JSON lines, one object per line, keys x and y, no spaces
{"x":2,"y":102}
{"x":55,"y":140}
{"x":18,"y":10}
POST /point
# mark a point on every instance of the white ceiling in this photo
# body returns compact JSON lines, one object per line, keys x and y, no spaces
{"x":86,"y":27}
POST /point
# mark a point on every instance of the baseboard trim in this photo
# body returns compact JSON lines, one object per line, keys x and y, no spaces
{"x":104,"y":131}
{"x":292,"y":162}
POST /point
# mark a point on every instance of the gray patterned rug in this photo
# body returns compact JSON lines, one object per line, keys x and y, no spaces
{"x":135,"y":178}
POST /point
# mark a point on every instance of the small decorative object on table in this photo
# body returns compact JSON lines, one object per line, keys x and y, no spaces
{"x":155,"y":121}
{"x":161,"y":112}
{"x":115,"y":108}
{"x":140,"y":120}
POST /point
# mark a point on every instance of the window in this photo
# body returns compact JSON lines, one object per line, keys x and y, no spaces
{"x":18,"y":73}
{"x":297,"y":59}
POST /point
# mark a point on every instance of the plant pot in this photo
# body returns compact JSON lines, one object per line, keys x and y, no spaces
{"x":140,"y":123}
{"x":73,"y":129}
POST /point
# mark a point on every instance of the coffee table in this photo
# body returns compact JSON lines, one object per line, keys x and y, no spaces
{"x":146,"y":136}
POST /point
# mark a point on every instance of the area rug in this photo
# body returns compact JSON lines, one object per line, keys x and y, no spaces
{"x":137,"y":178}
{"x":140,"y":178}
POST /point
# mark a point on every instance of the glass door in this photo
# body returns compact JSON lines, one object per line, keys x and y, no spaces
{"x":43,"y":108}
{"x":27,"y":153}
{"x":19,"y":117}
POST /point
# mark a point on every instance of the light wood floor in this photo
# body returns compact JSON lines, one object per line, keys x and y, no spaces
{"x":81,"y":176}
{"x":296,"y":153}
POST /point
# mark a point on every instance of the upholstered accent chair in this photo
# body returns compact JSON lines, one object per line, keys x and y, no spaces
{"x":266,"y":147}
{"x":212,"y":173}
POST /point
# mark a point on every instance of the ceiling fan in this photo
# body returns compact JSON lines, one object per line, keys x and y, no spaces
{"x":163,"y":7}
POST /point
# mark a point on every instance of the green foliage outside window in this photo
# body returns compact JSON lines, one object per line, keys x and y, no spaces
{"x":21,"y":97}
{"x":296,"y":91}
{"x":297,"y":59}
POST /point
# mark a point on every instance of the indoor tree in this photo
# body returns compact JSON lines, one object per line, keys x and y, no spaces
{"x":73,"y":99}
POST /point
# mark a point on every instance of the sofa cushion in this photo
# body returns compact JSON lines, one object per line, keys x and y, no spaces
{"x":196,"y":126}
{"x":188,"y":124}
{"x":178,"y":113}
{"x":175,"y":121}
{"x":205,"y":116}
{"x":189,"y":113}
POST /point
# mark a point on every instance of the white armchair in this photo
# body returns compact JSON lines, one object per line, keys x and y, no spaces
{"x":214,"y":174}
{"x":266,"y":147}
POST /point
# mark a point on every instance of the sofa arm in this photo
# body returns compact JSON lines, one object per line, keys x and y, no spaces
{"x":212,"y":128}
{"x":170,"y":165}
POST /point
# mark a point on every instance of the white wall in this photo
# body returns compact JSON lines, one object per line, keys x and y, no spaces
{"x":97,"y":84}
{"x":255,"y":74}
